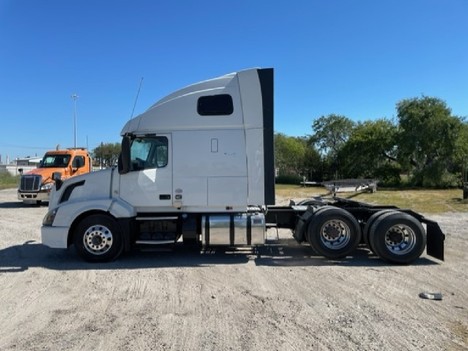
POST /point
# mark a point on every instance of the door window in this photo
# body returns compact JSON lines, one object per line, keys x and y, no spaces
{"x":78,"y":162}
{"x":149,"y":152}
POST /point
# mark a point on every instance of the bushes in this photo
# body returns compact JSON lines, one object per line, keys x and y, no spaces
{"x":289,"y":179}
{"x":435,"y":176}
{"x":8,"y":181}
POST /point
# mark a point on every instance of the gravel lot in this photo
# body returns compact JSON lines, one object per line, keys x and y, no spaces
{"x":280,"y":297}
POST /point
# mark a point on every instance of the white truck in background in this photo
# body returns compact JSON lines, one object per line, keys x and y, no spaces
{"x":198,"y":167}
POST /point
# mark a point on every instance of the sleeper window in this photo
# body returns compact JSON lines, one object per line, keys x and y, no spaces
{"x":215,"y":105}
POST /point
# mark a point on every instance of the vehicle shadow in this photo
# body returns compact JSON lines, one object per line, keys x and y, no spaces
{"x":16,"y":204}
{"x":20,"y":258}
{"x":20,"y":204}
{"x":289,"y":253}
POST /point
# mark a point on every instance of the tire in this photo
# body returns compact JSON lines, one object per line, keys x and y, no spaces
{"x":333,"y":232}
{"x":397,"y":237}
{"x":97,"y":238}
{"x":368,"y":226}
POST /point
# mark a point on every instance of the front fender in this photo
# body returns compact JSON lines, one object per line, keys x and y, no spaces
{"x":68,"y":212}
{"x":121,"y":209}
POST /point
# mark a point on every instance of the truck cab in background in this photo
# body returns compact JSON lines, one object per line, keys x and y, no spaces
{"x":35,"y":185}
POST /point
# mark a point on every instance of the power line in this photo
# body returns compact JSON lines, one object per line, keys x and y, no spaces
{"x":27,"y":146}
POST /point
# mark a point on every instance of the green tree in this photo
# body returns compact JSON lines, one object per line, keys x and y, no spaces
{"x":427,"y":139}
{"x":295,"y":158}
{"x":312,"y":164}
{"x":330,"y":134}
{"x":289,"y":154}
{"x":461,"y":151}
{"x":106,"y":154}
{"x":370,"y":152}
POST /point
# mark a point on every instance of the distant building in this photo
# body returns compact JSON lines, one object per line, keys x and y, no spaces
{"x":4,"y":161}
{"x":28,"y":161}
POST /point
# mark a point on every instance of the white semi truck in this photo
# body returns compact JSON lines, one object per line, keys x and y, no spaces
{"x":197,"y":168}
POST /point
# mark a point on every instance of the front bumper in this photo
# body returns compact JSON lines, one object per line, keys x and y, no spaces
{"x":54,"y":237}
{"x":33,"y":196}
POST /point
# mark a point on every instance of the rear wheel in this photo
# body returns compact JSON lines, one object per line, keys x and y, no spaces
{"x":397,"y":237}
{"x":97,"y":238}
{"x":370,"y":222}
{"x":333,"y":232}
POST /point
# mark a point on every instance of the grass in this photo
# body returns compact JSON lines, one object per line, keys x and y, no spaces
{"x":8,"y":181}
{"x":419,"y":200}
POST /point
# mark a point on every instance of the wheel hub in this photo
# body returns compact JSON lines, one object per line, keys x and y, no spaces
{"x":332,"y":233}
{"x":335,"y":234}
{"x":400,"y":239}
{"x":97,"y":239}
{"x":395,"y":236}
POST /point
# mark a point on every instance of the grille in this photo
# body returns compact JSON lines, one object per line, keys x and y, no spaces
{"x":30,"y":183}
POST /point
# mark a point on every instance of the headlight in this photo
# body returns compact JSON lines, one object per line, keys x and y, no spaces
{"x":49,"y":218}
{"x":47,"y":186}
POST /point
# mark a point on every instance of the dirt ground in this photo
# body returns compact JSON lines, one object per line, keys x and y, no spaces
{"x":278,"y":297}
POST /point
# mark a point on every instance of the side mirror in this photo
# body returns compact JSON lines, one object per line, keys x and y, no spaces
{"x":20,"y":171}
{"x":124,"y":157}
{"x":57,"y":178}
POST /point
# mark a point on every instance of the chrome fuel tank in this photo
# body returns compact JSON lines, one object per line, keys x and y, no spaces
{"x":237,"y":229}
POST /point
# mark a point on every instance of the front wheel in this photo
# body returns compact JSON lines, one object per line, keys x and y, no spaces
{"x":333,"y":232}
{"x":97,"y":238}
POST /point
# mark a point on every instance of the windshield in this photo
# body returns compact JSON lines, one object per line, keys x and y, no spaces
{"x":50,"y":161}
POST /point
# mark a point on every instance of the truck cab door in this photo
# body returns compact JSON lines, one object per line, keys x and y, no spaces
{"x":148,"y":184}
{"x":78,"y":165}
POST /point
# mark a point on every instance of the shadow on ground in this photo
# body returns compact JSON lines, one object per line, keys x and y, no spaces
{"x":20,"y":258}
{"x":19,"y":204}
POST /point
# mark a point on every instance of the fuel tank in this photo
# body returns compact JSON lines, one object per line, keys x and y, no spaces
{"x":244,"y":229}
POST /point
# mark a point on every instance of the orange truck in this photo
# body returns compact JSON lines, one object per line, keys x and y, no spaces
{"x":36,"y":185}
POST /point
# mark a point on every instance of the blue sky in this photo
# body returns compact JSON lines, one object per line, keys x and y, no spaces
{"x":356,"y":58}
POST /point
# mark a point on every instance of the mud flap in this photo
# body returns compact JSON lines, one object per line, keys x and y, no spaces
{"x":435,"y":239}
{"x":301,"y":226}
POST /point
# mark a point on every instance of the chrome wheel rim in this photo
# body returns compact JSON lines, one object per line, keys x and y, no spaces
{"x":97,"y":239}
{"x":335,"y":234}
{"x":400,"y":239}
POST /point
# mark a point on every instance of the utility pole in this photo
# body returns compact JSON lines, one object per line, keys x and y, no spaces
{"x":74,"y":98}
